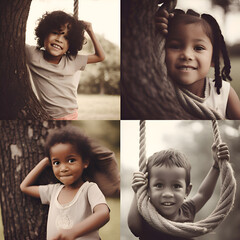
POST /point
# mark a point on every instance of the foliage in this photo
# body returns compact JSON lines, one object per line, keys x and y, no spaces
{"x":227,"y":5}
{"x":102,"y":77}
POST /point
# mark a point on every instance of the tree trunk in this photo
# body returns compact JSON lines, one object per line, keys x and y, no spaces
{"x":146,"y":92}
{"x":21,"y":148}
{"x":17,"y":100}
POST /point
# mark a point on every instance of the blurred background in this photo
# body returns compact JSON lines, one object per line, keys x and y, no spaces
{"x":194,"y":139}
{"x":98,"y":91}
{"x":226,"y":12}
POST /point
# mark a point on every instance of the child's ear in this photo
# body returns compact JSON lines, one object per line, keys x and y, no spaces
{"x":212,"y":64}
{"x":189,"y":188}
{"x":86,"y":163}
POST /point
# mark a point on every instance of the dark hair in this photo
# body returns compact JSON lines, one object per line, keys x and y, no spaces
{"x":76,"y":138}
{"x":213,"y":31}
{"x":169,"y":158}
{"x":54,"y":21}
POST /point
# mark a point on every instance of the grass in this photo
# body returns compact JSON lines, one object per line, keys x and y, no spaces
{"x":98,"y":107}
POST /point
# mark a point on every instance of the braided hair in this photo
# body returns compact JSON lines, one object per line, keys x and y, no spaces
{"x":214,"y":33}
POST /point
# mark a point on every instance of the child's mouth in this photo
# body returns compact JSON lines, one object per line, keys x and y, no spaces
{"x":56,"y":46}
{"x":167,"y":204}
{"x":186,"y":68}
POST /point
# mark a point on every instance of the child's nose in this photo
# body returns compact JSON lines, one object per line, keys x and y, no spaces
{"x":59,"y":38}
{"x":187,"y":54}
{"x":167,"y":193}
{"x":63,"y":168}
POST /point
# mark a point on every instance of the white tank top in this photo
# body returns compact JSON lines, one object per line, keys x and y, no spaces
{"x":217,"y":102}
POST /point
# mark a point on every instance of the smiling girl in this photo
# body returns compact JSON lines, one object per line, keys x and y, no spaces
{"x":194,"y":43}
{"x":55,"y":61}
{"x":77,"y":207}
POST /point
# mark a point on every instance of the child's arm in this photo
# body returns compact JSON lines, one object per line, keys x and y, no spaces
{"x":233,"y":105}
{"x":206,"y":188}
{"x":135,"y":222}
{"x":27,"y":184}
{"x":95,"y":221}
{"x":99,"y":55}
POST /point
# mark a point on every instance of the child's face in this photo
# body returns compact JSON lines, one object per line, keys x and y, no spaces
{"x":188,"y":54}
{"x":167,"y":189}
{"x":56,"y":44}
{"x":67,"y":164}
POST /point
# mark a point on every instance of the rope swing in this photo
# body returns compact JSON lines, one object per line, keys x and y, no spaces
{"x":75,"y":9}
{"x":187,"y":229}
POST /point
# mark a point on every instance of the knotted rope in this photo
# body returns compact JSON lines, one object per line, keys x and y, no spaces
{"x":75,"y":9}
{"x":187,"y":229}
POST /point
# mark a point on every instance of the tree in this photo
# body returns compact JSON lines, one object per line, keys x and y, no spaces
{"x":146,"y":93}
{"x":17,"y":100}
{"x":21,"y":148}
{"x":104,"y":77}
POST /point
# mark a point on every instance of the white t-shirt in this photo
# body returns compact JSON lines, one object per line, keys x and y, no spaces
{"x":55,"y":83}
{"x":67,"y":215}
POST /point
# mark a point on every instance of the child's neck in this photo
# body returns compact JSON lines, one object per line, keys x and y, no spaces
{"x":51,"y":59}
{"x":197,"y":88}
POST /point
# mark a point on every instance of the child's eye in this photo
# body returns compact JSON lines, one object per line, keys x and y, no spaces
{"x":199,"y":48}
{"x":71,"y":160}
{"x":177,"y":186}
{"x":159,"y":185}
{"x":174,"y":45}
{"x":56,"y":163}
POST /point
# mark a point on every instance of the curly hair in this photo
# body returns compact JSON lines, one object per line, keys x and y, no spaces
{"x":80,"y":142}
{"x":170,"y":157}
{"x":213,"y":31}
{"x":54,"y":21}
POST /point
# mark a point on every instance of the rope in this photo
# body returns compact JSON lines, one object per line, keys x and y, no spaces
{"x":75,"y":9}
{"x":193,"y":106}
{"x":187,"y":229}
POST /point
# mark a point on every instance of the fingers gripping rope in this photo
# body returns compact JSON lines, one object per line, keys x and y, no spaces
{"x":188,"y":230}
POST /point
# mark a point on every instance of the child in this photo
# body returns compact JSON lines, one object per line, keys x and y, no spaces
{"x":195,"y":43}
{"x":77,"y":207}
{"x":55,"y":60}
{"x":168,"y":186}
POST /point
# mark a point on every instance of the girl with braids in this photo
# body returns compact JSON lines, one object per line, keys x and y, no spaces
{"x":194,"y":43}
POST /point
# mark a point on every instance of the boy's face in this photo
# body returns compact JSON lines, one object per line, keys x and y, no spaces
{"x":188,"y":54}
{"x":167,"y":189}
{"x":67,"y":164}
{"x":56,"y":44}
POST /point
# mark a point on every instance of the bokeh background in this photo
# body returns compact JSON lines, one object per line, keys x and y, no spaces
{"x":194,"y":139}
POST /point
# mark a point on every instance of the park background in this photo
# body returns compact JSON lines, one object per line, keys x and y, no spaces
{"x":98,"y":91}
{"x":194,"y":139}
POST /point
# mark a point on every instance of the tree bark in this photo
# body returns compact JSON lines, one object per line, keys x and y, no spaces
{"x":145,"y":90}
{"x":17,"y":100}
{"x":21,"y":148}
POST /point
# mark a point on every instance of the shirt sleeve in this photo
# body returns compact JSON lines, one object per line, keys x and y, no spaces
{"x":81,"y":62}
{"x":95,"y":196}
{"x":45,"y":192}
{"x":188,"y":211}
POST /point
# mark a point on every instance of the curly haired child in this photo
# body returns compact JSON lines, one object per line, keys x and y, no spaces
{"x":77,"y":207}
{"x":55,"y":60}
{"x":169,"y":185}
{"x":194,"y":43}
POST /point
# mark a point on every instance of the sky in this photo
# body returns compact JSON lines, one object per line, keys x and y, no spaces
{"x":103,"y":14}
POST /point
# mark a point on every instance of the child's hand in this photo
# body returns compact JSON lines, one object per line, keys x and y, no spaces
{"x":220,"y":152}
{"x":139,"y":179}
{"x":161,"y":20}
{"x":88,"y":26}
{"x":64,"y":234}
